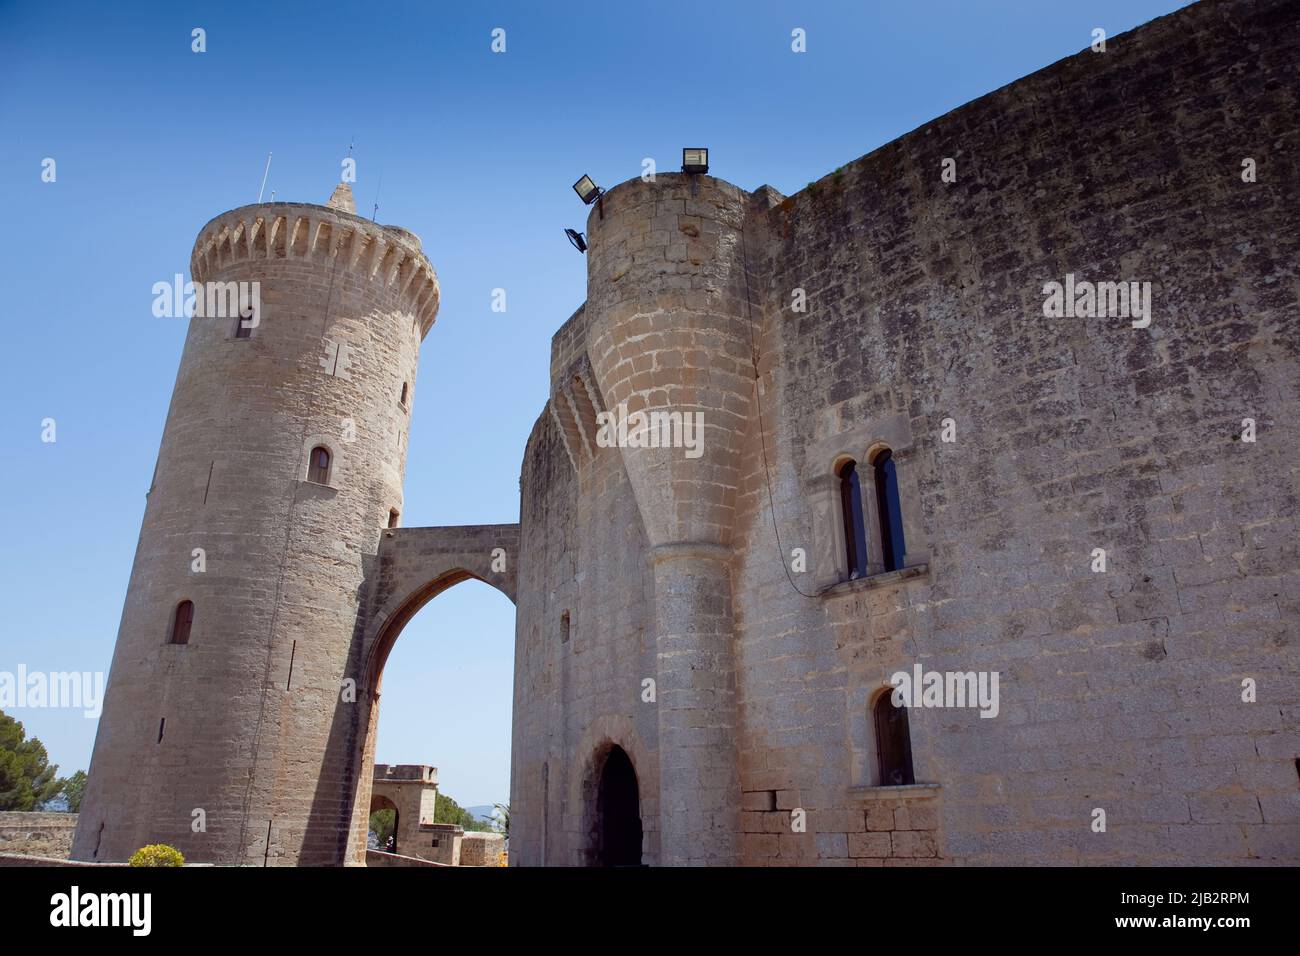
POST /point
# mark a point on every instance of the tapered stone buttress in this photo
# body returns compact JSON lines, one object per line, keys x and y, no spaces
{"x":699,"y":776}
{"x":670,"y":339}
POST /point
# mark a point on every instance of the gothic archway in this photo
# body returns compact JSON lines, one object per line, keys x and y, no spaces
{"x":618,"y":830}
{"x":414,"y":566}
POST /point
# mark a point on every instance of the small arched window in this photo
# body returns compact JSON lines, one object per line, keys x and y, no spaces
{"x":182,"y":620}
{"x":855,"y":537}
{"x":893,"y":742}
{"x":318,"y":467}
{"x":888,"y":510}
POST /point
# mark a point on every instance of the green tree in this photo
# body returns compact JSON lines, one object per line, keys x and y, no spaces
{"x":503,"y":817}
{"x":449,"y":811}
{"x":27,"y":778}
{"x":382,"y":824}
{"x":73,"y":789}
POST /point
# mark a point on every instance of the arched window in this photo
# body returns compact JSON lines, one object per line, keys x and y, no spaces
{"x":888,"y":510}
{"x":242,"y":330}
{"x":855,"y":537}
{"x":181,"y":621}
{"x":318,"y":468}
{"x":893,"y":742}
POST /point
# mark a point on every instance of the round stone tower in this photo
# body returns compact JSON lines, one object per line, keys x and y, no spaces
{"x":281,"y":462}
{"x":670,"y":339}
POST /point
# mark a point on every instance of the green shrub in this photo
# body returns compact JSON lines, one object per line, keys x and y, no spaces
{"x":157,"y":854}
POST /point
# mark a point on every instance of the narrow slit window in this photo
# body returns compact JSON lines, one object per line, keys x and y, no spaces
{"x":890,"y":512}
{"x":564,"y":628}
{"x":893,"y":743}
{"x":393,"y":517}
{"x":855,"y":537}
{"x":405,"y":388}
{"x":243,"y":325}
{"x":182,"y":619}
{"x":318,"y":469}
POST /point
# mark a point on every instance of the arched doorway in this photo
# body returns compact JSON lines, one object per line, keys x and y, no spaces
{"x":442,"y":696}
{"x":415,"y":565}
{"x":618,"y":812}
{"x":380,"y":803}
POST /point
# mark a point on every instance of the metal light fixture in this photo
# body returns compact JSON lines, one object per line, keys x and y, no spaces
{"x":576,"y":239}
{"x":587,"y":190}
{"x":695,"y":160}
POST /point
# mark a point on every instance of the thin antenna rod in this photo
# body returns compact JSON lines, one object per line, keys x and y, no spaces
{"x":265,"y":173}
{"x":377,"y":188}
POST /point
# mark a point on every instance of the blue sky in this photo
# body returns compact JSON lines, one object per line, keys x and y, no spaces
{"x":473,"y":151}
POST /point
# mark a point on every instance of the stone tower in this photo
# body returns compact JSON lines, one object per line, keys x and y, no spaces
{"x":227,"y":746}
{"x":670,"y":334}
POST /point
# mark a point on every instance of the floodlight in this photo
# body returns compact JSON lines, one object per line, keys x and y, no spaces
{"x":587,"y":190}
{"x":695,"y":160}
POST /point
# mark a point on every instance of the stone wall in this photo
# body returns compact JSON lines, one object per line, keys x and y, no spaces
{"x":378,"y":858}
{"x":1121,"y":690}
{"x":481,"y":849}
{"x":37,"y":833}
{"x":21,"y":859}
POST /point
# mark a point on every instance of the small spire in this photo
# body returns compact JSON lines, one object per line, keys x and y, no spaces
{"x":342,"y":199}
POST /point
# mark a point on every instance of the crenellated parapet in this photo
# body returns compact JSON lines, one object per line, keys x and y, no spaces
{"x":387,"y":256}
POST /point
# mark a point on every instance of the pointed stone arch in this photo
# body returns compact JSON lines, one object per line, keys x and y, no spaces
{"x":602,"y":737}
{"x":415,"y":565}
{"x":412,"y":567}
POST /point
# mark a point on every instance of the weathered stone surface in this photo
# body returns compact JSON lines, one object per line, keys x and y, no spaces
{"x":37,"y":833}
{"x":661,"y":607}
{"x":270,"y":708}
{"x":1119,"y":690}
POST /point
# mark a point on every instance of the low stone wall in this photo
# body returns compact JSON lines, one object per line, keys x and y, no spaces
{"x":481,"y":849}
{"x":37,"y":834}
{"x":22,"y":859}
{"x":380,"y":858}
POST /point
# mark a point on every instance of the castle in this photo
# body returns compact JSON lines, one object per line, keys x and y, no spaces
{"x":1075,"y":533}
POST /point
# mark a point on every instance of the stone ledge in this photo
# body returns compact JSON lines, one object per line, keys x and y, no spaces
{"x":314,"y":489}
{"x":380,"y":858}
{"x":873,"y":581}
{"x":911,"y":791}
{"x":22,"y":859}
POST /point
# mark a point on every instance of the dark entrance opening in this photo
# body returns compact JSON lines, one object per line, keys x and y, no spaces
{"x":384,"y":818}
{"x":618,"y":808}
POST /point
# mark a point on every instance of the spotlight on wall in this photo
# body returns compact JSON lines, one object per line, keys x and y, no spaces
{"x":576,"y":239}
{"x":587,"y":190}
{"x":695,"y":160}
